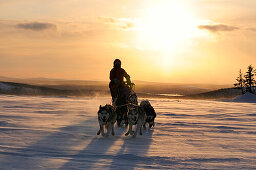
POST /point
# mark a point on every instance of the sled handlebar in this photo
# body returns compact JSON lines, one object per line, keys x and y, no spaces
{"x":130,"y":85}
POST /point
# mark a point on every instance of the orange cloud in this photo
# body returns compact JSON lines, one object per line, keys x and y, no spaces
{"x":122,"y":23}
{"x":36,"y":26}
{"x":218,"y":28}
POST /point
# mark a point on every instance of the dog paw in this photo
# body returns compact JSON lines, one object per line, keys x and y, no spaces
{"x":98,"y":132}
{"x":127,"y":134}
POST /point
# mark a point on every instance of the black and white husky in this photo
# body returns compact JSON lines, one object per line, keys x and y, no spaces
{"x":107,"y":118}
{"x":122,"y":108}
{"x":136,"y":116}
{"x":150,"y":113}
{"x":133,"y":99}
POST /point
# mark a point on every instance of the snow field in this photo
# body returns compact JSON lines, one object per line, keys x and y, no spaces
{"x":60,"y":133}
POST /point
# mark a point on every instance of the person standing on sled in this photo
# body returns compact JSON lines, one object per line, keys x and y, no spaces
{"x":117,"y":84}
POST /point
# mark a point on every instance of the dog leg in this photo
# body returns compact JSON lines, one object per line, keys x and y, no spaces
{"x":122,"y":123}
{"x":136,"y":131}
{"x":129,"y":130}
{"x":127,"y":133}
{"x":113,"y":132}
{"x":144,"y":126}
{"x":108,"y":129}
{"x":141,"y":130}
{"x":152,"y":124}
{"x":98,"y":133}
{"x":102,"y":130}
{"x":126,"y":120}
{"x":134,"y":135}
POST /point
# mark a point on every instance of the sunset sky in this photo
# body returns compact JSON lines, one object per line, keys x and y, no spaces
{"x":185,"y":41}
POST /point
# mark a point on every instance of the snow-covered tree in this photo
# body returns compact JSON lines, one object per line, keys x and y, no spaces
{"x":240,"y":81}
{"x":249,"y":78}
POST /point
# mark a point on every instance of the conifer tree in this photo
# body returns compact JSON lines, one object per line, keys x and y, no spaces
{"x":249,"y":78}
{"x":240,"y":81}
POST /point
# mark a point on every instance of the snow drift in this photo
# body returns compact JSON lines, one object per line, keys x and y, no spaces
{"x":246,"y":98}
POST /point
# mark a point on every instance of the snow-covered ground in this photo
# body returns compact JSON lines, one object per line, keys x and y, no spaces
{"x":60,"y":133}
{"x":6,"y":87}
{"x":246,"y":98}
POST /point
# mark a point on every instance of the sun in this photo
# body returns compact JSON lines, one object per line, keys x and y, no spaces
{"x":165,"y":28}
{"x":166,"y":25}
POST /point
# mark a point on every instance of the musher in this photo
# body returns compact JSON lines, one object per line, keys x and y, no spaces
{"x":117,"y":84}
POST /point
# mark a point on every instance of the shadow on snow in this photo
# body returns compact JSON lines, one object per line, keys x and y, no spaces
{"x":56,"y":146}
{"x":95,"y":154}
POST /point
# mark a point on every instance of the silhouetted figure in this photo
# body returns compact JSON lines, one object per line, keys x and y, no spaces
{"x":117,"y":85}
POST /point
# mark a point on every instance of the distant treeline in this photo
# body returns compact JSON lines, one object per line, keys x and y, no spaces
{"x":246,"y":82}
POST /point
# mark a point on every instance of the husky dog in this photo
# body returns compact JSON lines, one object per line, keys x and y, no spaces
{"x":133,"y":99}
{"x":107,"y":118}
{"x":150,"y":113}
{"x":121,"y":108}
{"x":122,"y":105}
{"x":121,"y":112}
{"x":136,"y":116}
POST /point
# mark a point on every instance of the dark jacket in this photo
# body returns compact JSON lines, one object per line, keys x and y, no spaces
{"x":117,"y":75}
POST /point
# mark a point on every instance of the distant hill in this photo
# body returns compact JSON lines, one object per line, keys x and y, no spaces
{"x":45,"y":86}
{"x":26,"y":89}
{"x":226,"y":93}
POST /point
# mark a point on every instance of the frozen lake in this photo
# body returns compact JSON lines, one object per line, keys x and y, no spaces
{"x":60,"y":133}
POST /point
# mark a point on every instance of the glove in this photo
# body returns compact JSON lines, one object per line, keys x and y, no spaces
{"x":128,"y":81}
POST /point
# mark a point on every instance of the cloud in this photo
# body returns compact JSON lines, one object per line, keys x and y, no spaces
{"x":36,"y":26}
{"x":122,"y":23}
{"x":107,"y":19}
{"x":252,"y":29}
{"x":217,"y":28}
{"x":128,"y":25}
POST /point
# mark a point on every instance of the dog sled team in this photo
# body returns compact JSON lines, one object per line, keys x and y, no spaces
{"x":125,"y":110}
{"x":137,"y":115}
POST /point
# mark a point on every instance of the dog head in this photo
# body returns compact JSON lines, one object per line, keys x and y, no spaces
{"x":104,"y":113}
{"x":133,"y":99}
{"x":133,"y":114}
{"x":144,"y":103}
